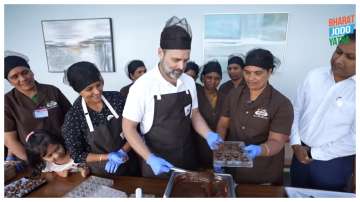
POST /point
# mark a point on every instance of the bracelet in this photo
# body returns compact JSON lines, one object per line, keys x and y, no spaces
{"x":100,"y":157}
{"x":267,"y":149}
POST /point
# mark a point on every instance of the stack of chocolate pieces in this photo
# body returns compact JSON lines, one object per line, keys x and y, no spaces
{"x":232,"y":154}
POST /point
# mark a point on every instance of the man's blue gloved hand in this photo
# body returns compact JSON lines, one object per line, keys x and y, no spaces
{"x":18,"y":165}
{"x":115,"y":159}
{"x":158,"y":165}
{"x":213,"y":140}
{"x":253,"y":150}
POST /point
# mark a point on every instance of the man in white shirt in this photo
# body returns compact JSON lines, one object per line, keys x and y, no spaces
{"x":323,"y":132}
{"x":164,"y":102}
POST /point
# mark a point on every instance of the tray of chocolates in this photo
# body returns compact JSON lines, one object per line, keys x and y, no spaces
{"x":22,"y":186}
{"x":200,"y":184}
{"x":232,"y":154}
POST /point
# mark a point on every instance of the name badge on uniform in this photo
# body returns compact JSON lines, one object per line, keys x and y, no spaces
{"x":41,"y":113}
{"x":187,"y":109}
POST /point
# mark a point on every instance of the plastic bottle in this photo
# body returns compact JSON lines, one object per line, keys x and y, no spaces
{"x":138,"y":193}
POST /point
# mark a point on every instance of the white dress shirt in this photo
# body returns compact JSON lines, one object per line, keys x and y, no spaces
{"x":324,"y":115}
{"x":139,"y":106}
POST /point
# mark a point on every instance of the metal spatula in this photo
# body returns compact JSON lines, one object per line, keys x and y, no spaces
{"x":180,"y":170}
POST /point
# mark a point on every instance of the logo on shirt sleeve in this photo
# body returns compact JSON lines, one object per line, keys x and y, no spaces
{"x":261,"y":113}
{"x":51,"y":104}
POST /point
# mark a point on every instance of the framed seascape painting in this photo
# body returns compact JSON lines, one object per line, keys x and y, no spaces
{"x":75,"y":40}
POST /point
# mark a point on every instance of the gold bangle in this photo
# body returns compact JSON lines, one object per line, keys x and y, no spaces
{"x":267,"y":149}
{"x":100,"y":157}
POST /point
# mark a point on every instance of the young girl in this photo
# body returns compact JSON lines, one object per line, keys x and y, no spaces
{"x":46,"y":153}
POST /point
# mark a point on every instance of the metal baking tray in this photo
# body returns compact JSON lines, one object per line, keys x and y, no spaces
{"x":227,"y":177}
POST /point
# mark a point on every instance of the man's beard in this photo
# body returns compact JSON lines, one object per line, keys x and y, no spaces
{"x":174,"y":74}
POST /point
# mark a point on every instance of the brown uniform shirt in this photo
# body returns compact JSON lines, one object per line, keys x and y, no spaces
{"x":198,"y":86}
{"x":251,"y":122}
{"x":125,"y":90}
{"x":19,"y":111}
{"x":226,"y":87}
{"x":211,"y":115}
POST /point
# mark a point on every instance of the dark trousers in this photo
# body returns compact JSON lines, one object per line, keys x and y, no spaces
{"x":326,"y":175}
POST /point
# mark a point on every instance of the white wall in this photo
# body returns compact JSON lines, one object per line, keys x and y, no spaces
{"x":136,"y":33}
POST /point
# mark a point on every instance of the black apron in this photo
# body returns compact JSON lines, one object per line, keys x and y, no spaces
{"x":170,"y":135}
{"x":106,"y":138}
{"x":211,"y":116}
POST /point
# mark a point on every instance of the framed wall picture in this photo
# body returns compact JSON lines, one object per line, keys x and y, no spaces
{"x":75,"y":40}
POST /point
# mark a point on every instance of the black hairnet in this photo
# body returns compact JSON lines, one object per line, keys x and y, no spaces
{"x":192,"y":66}
{"x":133,"y":65}
{"x":176,"y":34}
{"x":212,"y":66}
{"x":82,"y":74}
{"x":13,"y":61}
{"x":236,"y":60}
{"x":261,"y":58}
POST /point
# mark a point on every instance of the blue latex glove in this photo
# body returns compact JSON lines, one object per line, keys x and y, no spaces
{"x":124,"y":154}
{"x":111,"y":166}
{"x":18,"y":166}
{"x":115,"y":159}
{"x":118,"y":157}
{"x":213,"y":140}
{"x":218,"y":168}
{"x":158,"y":165}
{"x":253,"y":150}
